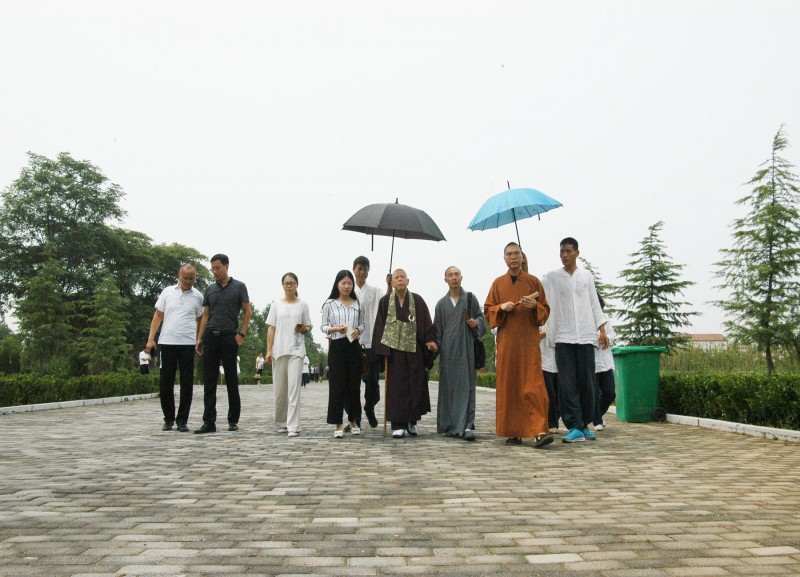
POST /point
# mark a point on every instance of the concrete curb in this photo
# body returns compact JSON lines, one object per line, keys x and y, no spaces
{"x":72,"y":404}
{"x":730,"y":427}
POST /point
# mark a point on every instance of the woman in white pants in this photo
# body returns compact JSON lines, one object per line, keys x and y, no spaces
{"x":288,"y":321}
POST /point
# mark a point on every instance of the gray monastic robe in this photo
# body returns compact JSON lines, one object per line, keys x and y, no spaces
{"x":457,"y":379}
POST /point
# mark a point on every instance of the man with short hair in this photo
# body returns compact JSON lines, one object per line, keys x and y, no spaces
{"x":458,"y":321}
{"x":517,"y":306}
{"x":219,"y":339}
{"x":178,"y":312}
{"x":404,"y":334}
{"x":368,"y":297}
{"x":576,"y":320}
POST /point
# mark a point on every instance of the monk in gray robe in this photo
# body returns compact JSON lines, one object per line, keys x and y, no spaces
{"x":458,"y":319}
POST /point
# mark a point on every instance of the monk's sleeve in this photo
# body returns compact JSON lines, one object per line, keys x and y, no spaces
{"x":491,"y":308}
{"x":380,"y":324}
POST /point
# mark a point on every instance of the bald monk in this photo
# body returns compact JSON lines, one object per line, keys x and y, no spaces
{"x":517,"y":307}
{"x":403,"y":333}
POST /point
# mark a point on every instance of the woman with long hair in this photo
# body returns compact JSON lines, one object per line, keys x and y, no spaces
{"x":343,"y":323}
{"x":288,"y":321}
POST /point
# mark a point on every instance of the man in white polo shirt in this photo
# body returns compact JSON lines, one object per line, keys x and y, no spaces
{"x":180,"y":307}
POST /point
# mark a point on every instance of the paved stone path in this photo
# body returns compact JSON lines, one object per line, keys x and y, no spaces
{"x":101,"y":490}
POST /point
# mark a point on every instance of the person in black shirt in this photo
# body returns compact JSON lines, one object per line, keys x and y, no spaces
{"x":219,"y":339}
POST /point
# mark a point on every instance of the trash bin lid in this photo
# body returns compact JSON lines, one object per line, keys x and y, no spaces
{"x":618,"y":351}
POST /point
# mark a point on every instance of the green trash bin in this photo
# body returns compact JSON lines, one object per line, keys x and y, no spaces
{"x":636,"y":373}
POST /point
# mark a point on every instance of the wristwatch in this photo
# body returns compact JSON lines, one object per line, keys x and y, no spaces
{"x":241,"y":334}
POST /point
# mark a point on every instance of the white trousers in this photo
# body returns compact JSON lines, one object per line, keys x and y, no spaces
{"x":287,"y":376}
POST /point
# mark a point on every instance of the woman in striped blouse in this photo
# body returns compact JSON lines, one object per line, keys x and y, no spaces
{"x":343,"y":323}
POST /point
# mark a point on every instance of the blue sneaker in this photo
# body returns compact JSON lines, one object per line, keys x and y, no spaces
{"x":588,"y":434}
{"x":574,"y":436}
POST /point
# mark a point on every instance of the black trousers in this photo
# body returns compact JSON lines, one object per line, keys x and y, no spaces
{"x":173,"y":357}
{"x":372,"y":389}
{"x":576,"y":380}
{"x":344,"y":380}
{"x":551,"y":384}
{"x":605,"y":394}
{"x":218,"y":349}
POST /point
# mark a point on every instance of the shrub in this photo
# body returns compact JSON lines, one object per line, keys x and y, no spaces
{"x":29,"y":389}
{"x":753,"y":399}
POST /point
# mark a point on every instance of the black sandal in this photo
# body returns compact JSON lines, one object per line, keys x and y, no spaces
{"x":513,"y":441}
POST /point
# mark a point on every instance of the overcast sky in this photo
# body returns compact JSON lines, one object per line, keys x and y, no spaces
{"x":258,"y":128}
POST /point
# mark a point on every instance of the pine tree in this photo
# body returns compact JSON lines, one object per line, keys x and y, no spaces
{"x":605,"y":290}
{"x":650,"y":313}
{"x":103,"y":343}
{"x":47,"y":324}
{"x":761,"y":269}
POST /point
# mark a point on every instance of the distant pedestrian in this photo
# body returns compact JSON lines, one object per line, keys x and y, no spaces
{"x":219,"y":339}
{"x":144,"y":362}
{"x":306,"y":371}
{"x":259,"y":367}
{"x":178,"y":312}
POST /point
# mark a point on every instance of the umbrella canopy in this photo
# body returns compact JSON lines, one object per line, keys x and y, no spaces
{"x":510,"y":206}
{"x":395,"y":220}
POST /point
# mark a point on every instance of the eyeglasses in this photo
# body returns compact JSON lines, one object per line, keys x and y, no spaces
{"x":289,"y":283}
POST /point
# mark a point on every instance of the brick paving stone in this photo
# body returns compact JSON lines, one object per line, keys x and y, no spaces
{"x":101,"y":490}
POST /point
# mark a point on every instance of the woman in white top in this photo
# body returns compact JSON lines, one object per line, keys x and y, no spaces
{"x":342,"y":322}
{"x":288,"y":320}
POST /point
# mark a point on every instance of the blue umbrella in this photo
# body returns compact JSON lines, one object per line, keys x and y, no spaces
{"x":510,"y":206}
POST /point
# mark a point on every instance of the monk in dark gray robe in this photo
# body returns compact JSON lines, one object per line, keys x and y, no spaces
{"x":457,"y":319}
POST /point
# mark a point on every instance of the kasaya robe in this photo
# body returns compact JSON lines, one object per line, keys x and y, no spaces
{"x":522,"y":401}
{"x":407,"y":394}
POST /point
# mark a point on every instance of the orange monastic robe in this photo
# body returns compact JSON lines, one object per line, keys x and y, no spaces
{"x":522,"y":401}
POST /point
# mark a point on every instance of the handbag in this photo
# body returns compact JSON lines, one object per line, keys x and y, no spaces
{"x":480,"y":348}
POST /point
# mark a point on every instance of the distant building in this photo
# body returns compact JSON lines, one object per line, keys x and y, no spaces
{"x":708,"y":341}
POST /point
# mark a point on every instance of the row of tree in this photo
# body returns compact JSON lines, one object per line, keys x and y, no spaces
{"x":83,"y":289}
{"x":759,"y":273}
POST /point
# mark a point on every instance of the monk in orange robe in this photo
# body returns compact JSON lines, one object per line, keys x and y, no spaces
{"x":517,"y":306}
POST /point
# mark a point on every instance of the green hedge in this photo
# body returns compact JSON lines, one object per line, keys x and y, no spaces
{"x":29,"y":389}
{"x":752,"y":399}
{"x":488,"y":380}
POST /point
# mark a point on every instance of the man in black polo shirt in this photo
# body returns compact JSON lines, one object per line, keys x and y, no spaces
{"x":219,"y":339}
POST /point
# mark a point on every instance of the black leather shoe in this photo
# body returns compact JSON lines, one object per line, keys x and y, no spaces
{"x":346,"y":428}
{"x":182,"y":428}
{"x":167,"y":427}
{"x":233,"y":427}
{"x":373,"y":422}
{"x":206,"y":428}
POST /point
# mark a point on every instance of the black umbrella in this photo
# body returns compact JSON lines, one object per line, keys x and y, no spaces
{"x":395,"y":220}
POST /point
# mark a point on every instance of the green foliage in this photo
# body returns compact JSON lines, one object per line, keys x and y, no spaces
{"x":103,"y":346}
{"x":28,"y":389}
{"x":47,"y":324}
{"x":735,"y":358}
{"x":10,"y":350}
{"x":769,"y":401}
{"x":761,"y":269}
{"x":488,"y":380}
{"x":56,"y":249}
{"x":650,"y":313}
{"x":605,"y":290}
